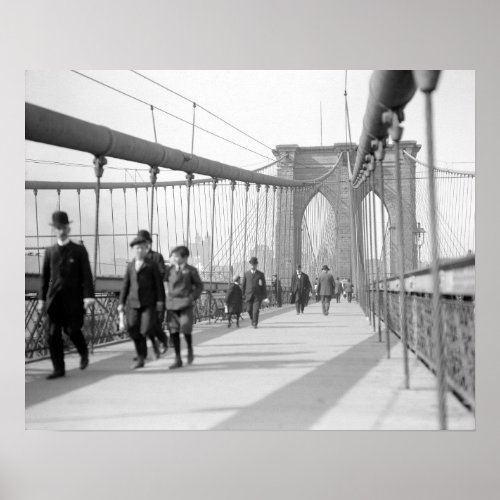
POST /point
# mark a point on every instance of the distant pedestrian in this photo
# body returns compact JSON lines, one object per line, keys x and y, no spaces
{"x":66,"y":292}
{"x":156,"y":257}
{"x":234,"y":301}
{"x":338,"y":289}
{"x":326,"y":288}
{"x":143,"y":295}
{"x":184,"y":287}
{"x":276,"y":290}
{"x":301,"y":288}
{"x":254,"y":290}
{"x":316,"y":293}
{"x":348,"y":288}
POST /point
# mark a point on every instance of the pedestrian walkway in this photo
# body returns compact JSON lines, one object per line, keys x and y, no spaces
{"x":293,"y":372}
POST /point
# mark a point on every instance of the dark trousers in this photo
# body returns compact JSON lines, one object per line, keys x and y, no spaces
{"x":56,"y":343}
{"x":229,"y":318}
{"x":349,"y":296}
{"x":337,"y":296}
{"x":299,"y":303}
{"x":141,"y":324}
{"x":325,"y":304}
{"x":158,"y":330}
{"x":253,"y":308}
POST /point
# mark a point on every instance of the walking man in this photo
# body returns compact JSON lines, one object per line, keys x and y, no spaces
{"x":326,"y":288}
{"x":143,"y":294}
{"x":277,"y":290}
{"x":348,"y":288}
{"x":301,"y":288}
{"x":234,"y":301}
{"x":184,"y":287}
{"x":338,"y":289}
{"x":66,"y":292}
{"x":156,"y":257}
{"x":254,"y":290}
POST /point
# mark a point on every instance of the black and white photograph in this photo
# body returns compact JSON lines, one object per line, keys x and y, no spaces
{"x":248,"y":250}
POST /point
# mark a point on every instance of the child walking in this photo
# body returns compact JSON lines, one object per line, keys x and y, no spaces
{"x":184,"y":286}
{"x":234,"y":301}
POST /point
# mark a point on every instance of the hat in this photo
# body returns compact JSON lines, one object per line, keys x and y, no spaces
{"x":182,"y":250}
{"x":253,"y":260}
{"x":299,"y":266}
{"x":138,"y":240}
{"x":60,"y":219}
{"x":325,"y":268}
{"x":144,"y":234}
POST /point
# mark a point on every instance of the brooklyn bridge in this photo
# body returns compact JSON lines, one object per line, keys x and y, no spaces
{"x":395,"y":230}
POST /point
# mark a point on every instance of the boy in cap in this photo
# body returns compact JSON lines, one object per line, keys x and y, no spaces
{"x":144,"y":295}
{"x":66,"y":292}
{"x":184,"y":286}
{"x":234,"y":301}
{"x":254,"y":290}
{"x":156,"y":257}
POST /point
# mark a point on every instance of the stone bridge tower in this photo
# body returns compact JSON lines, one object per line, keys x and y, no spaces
{"x":308,"y":163}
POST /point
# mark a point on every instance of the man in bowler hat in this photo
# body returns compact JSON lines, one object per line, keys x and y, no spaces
{"x":254,"y":290}
{"x":326,"y":288}
{"x":66,"y":292}
{"x":301,"y":287}
{"x":143,"y":294}
{"x":156,"y":257}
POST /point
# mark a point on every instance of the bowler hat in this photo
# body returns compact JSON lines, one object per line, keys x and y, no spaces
{"x":253,"y":260}
{"x":325,"y":268}
{"x":60,"y":219}
{"x":138,"y":240}
{"x":144,"y":234}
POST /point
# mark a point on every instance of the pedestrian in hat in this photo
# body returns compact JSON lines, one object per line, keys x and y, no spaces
{"x":234,"y":301}
{"x":338,"y":289}
{"x":254,"y":290}
{"x":326,"y":288}
{"x":143,"y":295}
{"x":301,"y":288}
{"x":66,"y":292}
{"x":156,"y":257}
{"x":277,"y":289}
{"x":184,"y":287}
{"x":348,"y":288}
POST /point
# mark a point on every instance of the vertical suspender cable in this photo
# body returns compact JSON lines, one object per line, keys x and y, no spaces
{"x":79,"y":214}
{"x":214,"y":186}
{"x":377,"y":277}
{"x":113,"y":228}
{"x":190,"y":178}
{"x":247,"y":187}
{"x":257,"y":187}
{"x":369,"y":199}
{"x":126,"y":218}
{"x":35,"y":192}
{"x":233,"y":186}
{"x":265,"y":229}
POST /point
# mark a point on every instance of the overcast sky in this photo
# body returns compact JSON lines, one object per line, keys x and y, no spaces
{"x":276,"y":107}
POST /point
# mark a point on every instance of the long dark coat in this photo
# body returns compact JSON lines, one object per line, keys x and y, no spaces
{"x":66,"y":280}
{"x":234,"y":299}
{"x":326,"y":284}
{"x":254,"y":286}
{"x":301,"y":287}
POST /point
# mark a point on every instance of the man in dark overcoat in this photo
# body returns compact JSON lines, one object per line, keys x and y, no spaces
{"x":66,"y":291}
{"x":326,"y":288}
{"x":301,"y":288}
{"x":157,"y":258}
{"x":254,"y":290}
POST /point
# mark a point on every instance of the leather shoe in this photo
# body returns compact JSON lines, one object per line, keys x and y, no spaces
{"x":164,"y":348}
{"x":84,"y":362}
{"x":56,"y":374}
{"x":190,"y":357}
{"x":177,"y":364}
{"x":138,"y":364}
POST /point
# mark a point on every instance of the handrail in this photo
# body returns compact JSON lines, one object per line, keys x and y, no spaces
{"x":57,"y":129}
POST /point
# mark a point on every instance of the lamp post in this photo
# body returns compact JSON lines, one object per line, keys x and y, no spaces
{"x":419,"y":239}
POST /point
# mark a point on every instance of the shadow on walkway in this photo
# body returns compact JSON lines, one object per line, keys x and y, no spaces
{"x":298,"y":405}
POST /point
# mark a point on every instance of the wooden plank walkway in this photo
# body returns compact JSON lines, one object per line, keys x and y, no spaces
{"x":293,"y":372}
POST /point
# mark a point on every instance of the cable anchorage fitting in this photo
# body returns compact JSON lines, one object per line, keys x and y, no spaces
{"x":153,"y":174}
{"x":99,"y":162}
{"x":189,"y":180}
{"x":394,"y":118}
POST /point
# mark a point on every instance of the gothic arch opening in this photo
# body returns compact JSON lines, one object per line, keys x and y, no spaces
{"x":319,"y":235}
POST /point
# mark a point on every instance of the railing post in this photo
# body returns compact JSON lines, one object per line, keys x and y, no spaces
{"x":99,"y":162}
{"x":427,"y":82}
{"x":394,"y":119}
